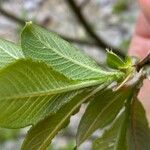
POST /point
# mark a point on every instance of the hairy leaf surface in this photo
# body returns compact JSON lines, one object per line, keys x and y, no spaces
{"x":40,"y":135}
{"x":9,"y":52}
{"x":29,"y":90}
{"x":45,"y":83}
{"x":39,"y":44}
{"x":100,"y":112}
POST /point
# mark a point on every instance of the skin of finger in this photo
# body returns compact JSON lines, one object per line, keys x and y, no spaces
{"x":140,"y":44}
{"x":145,"y":7}
{"x":140,"y":47}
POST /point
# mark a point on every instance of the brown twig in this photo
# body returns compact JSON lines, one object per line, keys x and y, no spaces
{"x":21,"y":21}
{"x":12,"y":17}
{"x":143,"y":62}
{"x":100,"y":42}
{"x":79,"y":41}
{"x":69,"y":39}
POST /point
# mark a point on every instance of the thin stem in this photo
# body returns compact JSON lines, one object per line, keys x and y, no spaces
{"x":70,"y":39}
{"x":97,"y":40}
{"x":79,"y":41}
{"x":100,"y":42}
{"x":12,"y":17}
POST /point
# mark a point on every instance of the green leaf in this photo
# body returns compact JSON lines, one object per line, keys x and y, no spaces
{"x":100,"y":112}
{"x":110,"y":137}
{"x":128,"y":62}
{"x":8,"y":134}
{"x":40,"y":135}
{"x":30,"y":90}
{"x":114,"y":61}
{"x":115,"y":137}
{"x":9,"y":52}
{"x":138,"y":131}
{"x":42,"y":45}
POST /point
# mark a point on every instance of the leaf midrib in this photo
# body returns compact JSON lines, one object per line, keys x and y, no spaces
{"x":64,"y":56}
{"x":71,"y":111}
{"x":10,"y":54}
{"x":58,"y":90}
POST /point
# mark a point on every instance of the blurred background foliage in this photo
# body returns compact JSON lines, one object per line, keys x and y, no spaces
{"x":92,"y":25}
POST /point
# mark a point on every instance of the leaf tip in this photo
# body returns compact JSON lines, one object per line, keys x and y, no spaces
{"x":108,"y":50}
{"x":29,"y":23}
{"x":27,"y":28}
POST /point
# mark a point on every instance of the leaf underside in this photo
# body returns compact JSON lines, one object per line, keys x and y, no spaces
{"x":9,"y":52}
{"x":30,"y":90}
{"x":45,"y":46}
{"x":40,"y":135}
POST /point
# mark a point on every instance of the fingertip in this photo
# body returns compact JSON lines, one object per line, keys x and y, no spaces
{"x":145,"y":6}
{"x":144,"y":3}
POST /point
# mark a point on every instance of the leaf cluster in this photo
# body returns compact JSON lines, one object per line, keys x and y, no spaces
{"x":44,"y":81}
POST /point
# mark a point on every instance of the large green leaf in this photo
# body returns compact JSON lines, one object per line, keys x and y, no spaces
{"x":100,"y":112}
{"x":30,"y":90}
{"x":9,"y":52}
{"x":138,"y":131}
{"x":40,"y":135}
{"x":39,"y":44}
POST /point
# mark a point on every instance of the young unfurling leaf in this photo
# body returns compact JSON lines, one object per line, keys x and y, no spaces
{"x":115,"y":62}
